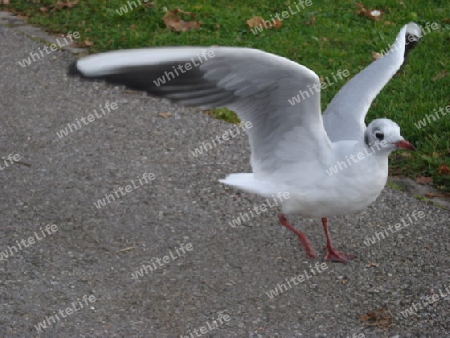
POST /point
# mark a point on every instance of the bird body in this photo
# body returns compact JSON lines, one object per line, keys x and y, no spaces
{"x":314,"y":192}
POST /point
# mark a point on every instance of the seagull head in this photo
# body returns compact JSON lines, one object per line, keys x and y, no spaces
{"x":383,"y":136}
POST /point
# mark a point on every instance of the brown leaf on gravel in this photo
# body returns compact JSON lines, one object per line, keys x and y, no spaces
{"x":373,"y":14}
{"x":364,"y":318}
{"x":372,"y":265}
{"x":173,"y":21}
{"x":424,"y":180}
{"x":126,"y":249}
{"x":381,"y":318}
{"x":165,"y":114}
{"x":342,"y":280}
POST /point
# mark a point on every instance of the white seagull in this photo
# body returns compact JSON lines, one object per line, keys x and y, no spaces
{"x":330,"y":165}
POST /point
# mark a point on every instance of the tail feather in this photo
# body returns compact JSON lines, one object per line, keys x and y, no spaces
{"x":248,"y":183}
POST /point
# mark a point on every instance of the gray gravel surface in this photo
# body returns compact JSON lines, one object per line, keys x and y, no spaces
{"x":228,"y":271}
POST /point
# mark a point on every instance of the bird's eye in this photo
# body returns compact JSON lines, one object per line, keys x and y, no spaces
{"x":379,"y":135}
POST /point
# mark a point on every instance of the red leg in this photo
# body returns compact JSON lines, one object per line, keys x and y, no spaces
{"x":301,"y":236}
{"x":332,"y":254}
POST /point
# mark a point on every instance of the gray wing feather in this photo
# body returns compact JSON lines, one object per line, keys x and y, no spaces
{"x":255,"y":84}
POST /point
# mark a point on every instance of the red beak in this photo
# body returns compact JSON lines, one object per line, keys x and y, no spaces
{"x":405,"y":145}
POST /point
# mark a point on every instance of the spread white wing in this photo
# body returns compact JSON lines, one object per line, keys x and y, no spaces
{"x":344,"y":116}
{"x":254,"y":84}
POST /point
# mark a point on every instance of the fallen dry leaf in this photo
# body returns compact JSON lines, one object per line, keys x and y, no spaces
{"x":311,"y":21}
{"x":376,"y":56}
{"x":67,"y":4}
{"x":444,"y":169}
{"x":342,"y":280}
{"x":364,"y":318}
{"x":442,"y":74}
{"x":126,"y":249}
{"x":432,"y":194}
{"x":165,"y":114}
{"x":255,"y":21}
{"x":173,"y":21}
{"x":259,"y":21}
{"x":82,"y":44}
{"x":381,"y":318}
{"x":4,"y":2}
{"x":373,"y":14}
{"x":87,"y":42}
{"x":372,"y":265}
{"x":277,"y":23}
{"x":424,"y":180}
{"x":58,"y":6}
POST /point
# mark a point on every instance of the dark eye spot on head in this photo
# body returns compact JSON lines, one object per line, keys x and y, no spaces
{"x":379,"y":135}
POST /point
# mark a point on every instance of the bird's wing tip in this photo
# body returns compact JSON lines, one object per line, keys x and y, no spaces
{"x":412,"y":36}
{"x":413,"y":29}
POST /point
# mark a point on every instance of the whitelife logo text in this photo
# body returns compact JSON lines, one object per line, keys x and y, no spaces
{"x":53,"y":47}
{"x":169,"y":75}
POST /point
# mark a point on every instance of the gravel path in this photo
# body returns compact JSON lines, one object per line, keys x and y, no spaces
{"x":204,"y":278}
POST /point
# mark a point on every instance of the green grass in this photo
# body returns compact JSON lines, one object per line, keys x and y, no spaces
{"x":394,"y":186}
{"x":338,"y":39}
